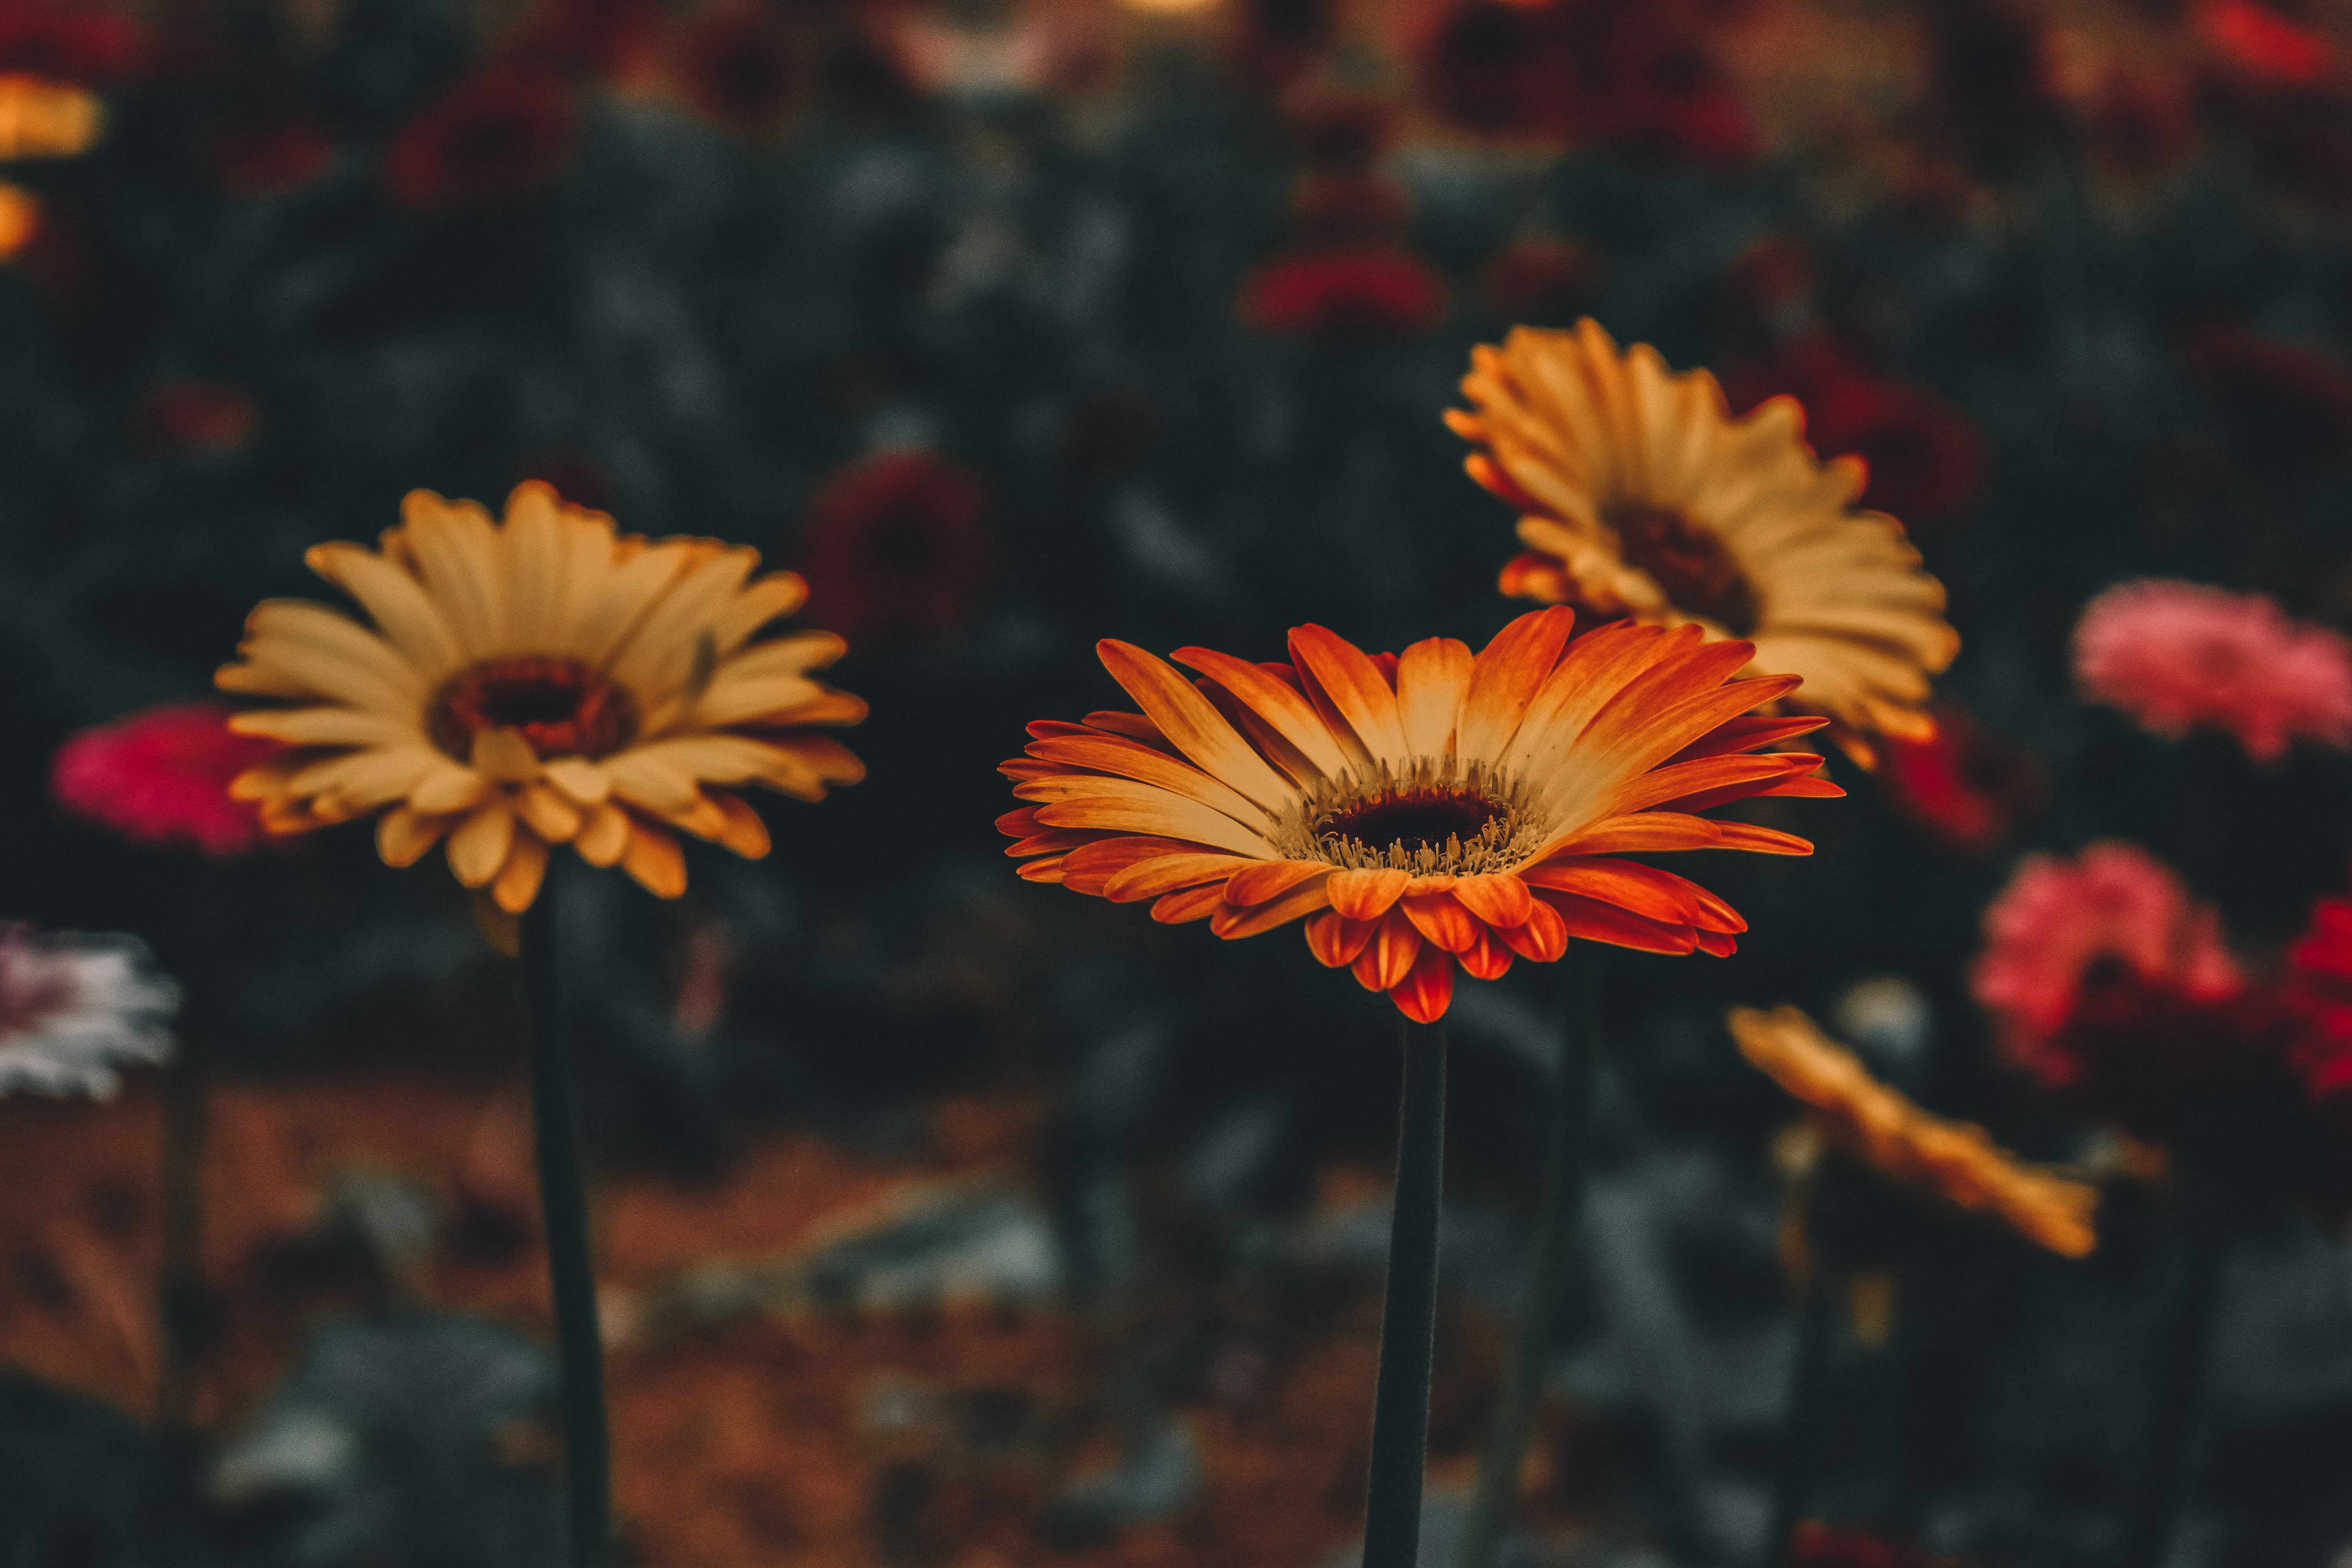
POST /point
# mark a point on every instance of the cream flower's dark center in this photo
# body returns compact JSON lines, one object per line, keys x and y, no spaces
{"x":1437,"y":820}
{"x":561,"y":706}
{"x":1688,"y":561}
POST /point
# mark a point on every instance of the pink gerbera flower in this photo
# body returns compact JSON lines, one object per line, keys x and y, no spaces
{"x":162,"y":777}
{"x":2181,"y":657}
{"x":2061,"y":924}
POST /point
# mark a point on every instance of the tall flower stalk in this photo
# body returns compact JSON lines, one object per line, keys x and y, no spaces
{"x":528,"y":683}
{"x":1420,"y":813}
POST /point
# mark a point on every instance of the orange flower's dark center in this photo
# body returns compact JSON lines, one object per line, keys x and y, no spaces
{"x":1408,"y":820}
{"x":1689,"y":563}
{"x":563,"y":708}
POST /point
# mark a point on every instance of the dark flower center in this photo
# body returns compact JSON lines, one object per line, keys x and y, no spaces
{"x":1408,"y":820}
{"x":563,"y":708}
{"x":1689,"y":563}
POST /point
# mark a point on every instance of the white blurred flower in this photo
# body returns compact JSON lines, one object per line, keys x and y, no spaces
{"x":76,"y":1009}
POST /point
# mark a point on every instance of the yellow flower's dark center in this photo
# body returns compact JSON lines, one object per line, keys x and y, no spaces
{"x":1688,"y":561}
{"x":561,"y":706}
{"x":1434,"y":819}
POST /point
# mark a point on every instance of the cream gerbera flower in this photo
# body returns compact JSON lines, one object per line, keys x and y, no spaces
{"x":546,"y":681}
{"x":1645,"y":498}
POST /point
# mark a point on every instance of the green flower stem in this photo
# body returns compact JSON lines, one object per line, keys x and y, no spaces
{"x":2163,"y":1471}
{"x":181,"y":1289}
{"x":564,"y":1199}
{"x":1409,"y":1315}
{"x":1562,"y":1201}
{"x":1792,"y":1488}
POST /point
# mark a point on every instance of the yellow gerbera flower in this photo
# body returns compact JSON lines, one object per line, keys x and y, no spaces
{"x":1956,"y":1161}
{"x":547,"y":681}
{"x":1644,"y":498}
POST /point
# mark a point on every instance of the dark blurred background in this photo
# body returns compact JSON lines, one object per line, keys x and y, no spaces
{"x":952,"y":1220}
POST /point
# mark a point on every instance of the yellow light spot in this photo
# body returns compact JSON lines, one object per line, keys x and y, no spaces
{"x":44,"y":119}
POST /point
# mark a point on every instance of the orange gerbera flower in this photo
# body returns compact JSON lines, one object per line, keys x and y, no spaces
{"x":1418,"y":810}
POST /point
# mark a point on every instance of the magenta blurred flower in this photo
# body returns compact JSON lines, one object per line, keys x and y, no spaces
{"x":2179,"y":656}
{"x":162,"y":777}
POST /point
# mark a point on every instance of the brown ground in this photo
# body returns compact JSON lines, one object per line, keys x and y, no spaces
{"x":905,"y":1440}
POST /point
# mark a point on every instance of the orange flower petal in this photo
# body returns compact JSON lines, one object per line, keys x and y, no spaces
{"x":1541,"y":939}
{"x":1643,"y":833}
{"x":1498,"y":898}
{"x":1382,"y":965}
{"x":1433,"y":676}
{"x":655,"y":859}
{"x":1334,"y":939}
{"x":403,"y":834}
{"x":1596,"y":921}
{"x":1505,"y":675}
{"x":1191,"y":904}
{"x":1489,"y":958}
{"x":1020,"y":822}
{"x":1090,"y":865}
{"x":1715,"y":944}
{"x":1441,"y":918}
{"x":1277,"y":702}
{"x":1132,"y":759}
{"x":1708,"y":781}
{"x":1427,"y":989}
{"x":1233,"y":922}
{"x":1046,"y":871}
{"x":1762,"y":841}
{"x":1263,"y":879}
{"x":1349,"y":688}
{"x":1054,"y":841}
{"x":606,"y":839}
{"x":1367,"y":895}
{"x":1193,"y":724}
{"x":517,"y":883}
{"x":1746,"y":735}
{"x":1637,"y":888}
{"x":1134,"y":726}
{"x":744,"y":831}
{"x":1166,"y":874}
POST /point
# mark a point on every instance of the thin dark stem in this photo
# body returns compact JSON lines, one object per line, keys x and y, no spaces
{"x":180,"y":1287}
{"x":1792,"y":1488}
{"x":1409,"y":1316}
{"x":2187,"y":1350}
{"x":563,"y":1199}
{"x":1563,"y":1198}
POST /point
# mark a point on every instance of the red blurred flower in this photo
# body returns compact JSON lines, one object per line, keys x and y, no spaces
{"x":1542,"y":282}
{"x":1352,"y":293}
{"x":1927,"y":461}
{"x":2179,"y":656}
{"x":267,"y":150}
{"x":194,"y":417}
{"x":1640,"y":78}
{"x":608,"y":40}
{"x":2319,"y":967}
{"x":162,"y":777}
{"x":2113,"y":910}
{"x":2259,"y":43}
{"x":496,"y":135}
{"x":1966,"y":788}
{"x":739,"y":67}
{"x":1819,"y":1545}
{"x":897,"y":544}
{"x":2280,"y":402}
{"x":69,"y":43}
{"x":1344,"y":211}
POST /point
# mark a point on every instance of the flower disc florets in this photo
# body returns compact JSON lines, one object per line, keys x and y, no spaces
{"x":1438,"y":818}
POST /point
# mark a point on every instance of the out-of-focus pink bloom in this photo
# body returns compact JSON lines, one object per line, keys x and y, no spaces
{"x":162,"y":777}
{"x":2258,"y":42}
{"x":2179,"y":657}
{"x":2114,"y":907}
{"x":2320,"y":968}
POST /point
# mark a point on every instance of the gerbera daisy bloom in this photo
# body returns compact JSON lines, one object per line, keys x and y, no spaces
{"x":2179,"y":656}
{"x":163,"y":777}
{"x":897,"y":544}
{"x":2113,"y":907}
{"x":1641,"y":496}
{"x":1964,"y":786}
{"x":1955,"y":1161}
{"x":75,"y":1010}
{"x":543,"y":681}
{"x":1420,"y":810}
